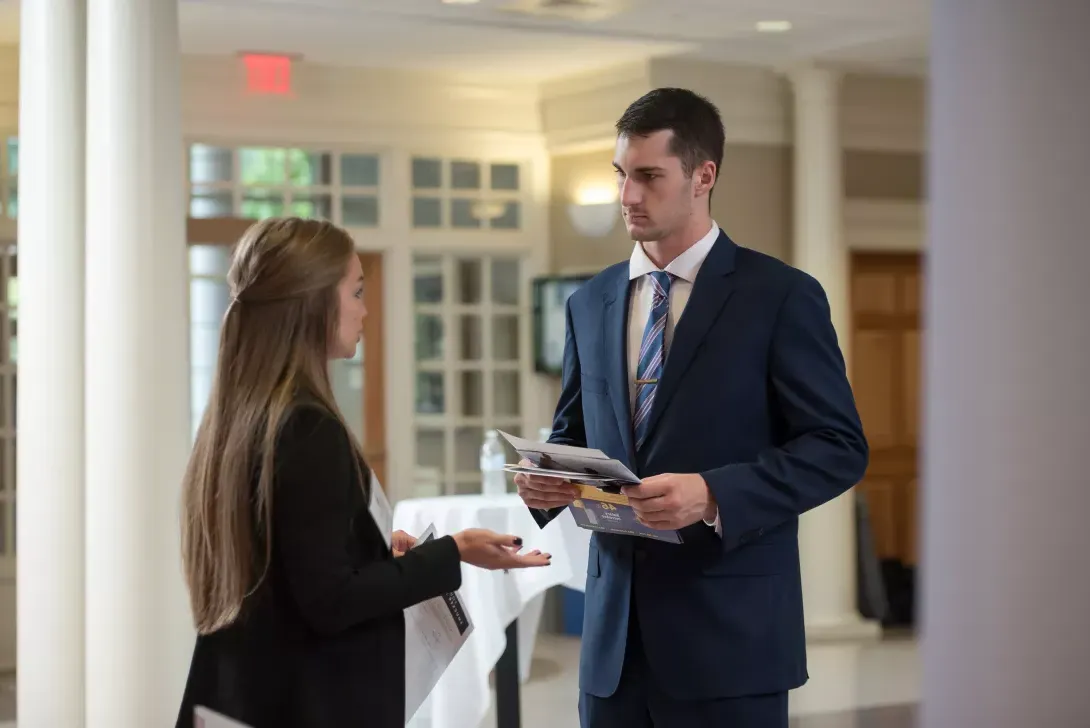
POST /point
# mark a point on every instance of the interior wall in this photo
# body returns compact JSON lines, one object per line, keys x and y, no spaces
{"x":755,"y":103}
{"x":580,"y":110}
{"x":884,"y":201}
{"x":753,"y":198}
{"x":883,"y":113}
{"x":9,"y":87}
{"x":878,"y":175}
{"x":570,"y":250}
{"x":882,"y":126}
{"x":751,"y":202}
{"x":339,"y":105}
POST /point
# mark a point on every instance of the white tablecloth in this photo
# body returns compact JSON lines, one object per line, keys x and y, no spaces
{"x":493,"y":599}
{"x":577,"y":543}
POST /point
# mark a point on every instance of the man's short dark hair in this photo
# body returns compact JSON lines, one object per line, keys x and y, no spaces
{"x":695,"y":122}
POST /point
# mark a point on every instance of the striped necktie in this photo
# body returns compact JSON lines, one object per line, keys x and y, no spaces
{"x":652,"y":354}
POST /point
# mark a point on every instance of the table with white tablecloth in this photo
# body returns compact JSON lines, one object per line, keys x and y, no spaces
{"x":494,"y":599}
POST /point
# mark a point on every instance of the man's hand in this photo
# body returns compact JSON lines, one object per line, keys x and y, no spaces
{"x":546,"y":493}
{"x":671,"y":501}
{"x":402,"y":542}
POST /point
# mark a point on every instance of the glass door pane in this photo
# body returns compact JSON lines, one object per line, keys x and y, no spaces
{"x":209,"y":296}
{"x":346,"y":378}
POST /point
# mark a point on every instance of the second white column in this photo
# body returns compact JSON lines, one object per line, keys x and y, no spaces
{"x":826,"y":534}
{"x":137,"y":624}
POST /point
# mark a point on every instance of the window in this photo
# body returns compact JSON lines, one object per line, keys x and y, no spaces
{"x":209,"y":296}
{"x":469,"y":324}
{"x":259,"y":182}
{"x":9,"y":303}
{"x":465,"y":195}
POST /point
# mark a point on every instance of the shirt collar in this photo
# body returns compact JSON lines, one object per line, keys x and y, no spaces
{"x":685,"y":266}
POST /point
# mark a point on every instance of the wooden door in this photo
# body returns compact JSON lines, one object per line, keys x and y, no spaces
{"x":227,"y":231}
{"x":886,"y":319}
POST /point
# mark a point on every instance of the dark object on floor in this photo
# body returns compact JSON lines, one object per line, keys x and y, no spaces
{"x":900,"y":582}
{"x":508,"y":699}
{"x":872,"y":595}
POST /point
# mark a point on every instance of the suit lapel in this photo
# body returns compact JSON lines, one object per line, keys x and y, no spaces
{"x":711,"y":290}
{"x":616,"y":351}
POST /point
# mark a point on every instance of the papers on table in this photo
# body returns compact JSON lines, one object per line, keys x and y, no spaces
{"x":205,"y":718}
{"x":601,"y":506}
{"x":434,"y":632}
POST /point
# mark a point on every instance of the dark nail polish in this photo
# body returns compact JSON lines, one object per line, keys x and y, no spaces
{"x":518,"y":541}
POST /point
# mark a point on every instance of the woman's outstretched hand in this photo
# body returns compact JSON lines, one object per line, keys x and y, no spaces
{"x":490,"y":550}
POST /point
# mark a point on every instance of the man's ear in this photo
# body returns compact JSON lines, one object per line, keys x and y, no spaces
{"x":705,"y":176}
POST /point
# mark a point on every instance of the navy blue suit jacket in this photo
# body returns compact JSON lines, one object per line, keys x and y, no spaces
{"x":755,"y":398}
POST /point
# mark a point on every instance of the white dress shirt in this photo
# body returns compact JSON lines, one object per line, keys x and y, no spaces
{"x":683,"y":270}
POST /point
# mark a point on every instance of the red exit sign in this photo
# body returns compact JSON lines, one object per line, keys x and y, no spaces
{"x":267,"y":73}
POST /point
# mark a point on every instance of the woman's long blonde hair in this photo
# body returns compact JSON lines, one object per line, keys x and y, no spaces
{"x":273,"y":353}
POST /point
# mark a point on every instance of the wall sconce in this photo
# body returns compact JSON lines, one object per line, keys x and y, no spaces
{"x":594,"y":212}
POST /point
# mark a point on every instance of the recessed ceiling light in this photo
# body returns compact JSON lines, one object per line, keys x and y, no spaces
{"x":774,"y":26}
{"x":460,"y":2}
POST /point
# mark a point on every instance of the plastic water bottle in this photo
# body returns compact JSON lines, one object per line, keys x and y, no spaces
{"x":493,"y":459}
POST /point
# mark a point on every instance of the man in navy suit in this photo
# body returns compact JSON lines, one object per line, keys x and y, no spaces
{"x":714,"y":373}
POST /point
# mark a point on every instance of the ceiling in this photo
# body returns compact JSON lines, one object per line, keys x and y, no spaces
{"x":539,"y":40}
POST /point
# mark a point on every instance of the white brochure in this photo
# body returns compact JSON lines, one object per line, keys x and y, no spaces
{"x":435,"y":631}
{"x":578,"y":464}
{"x":381,"y":510}
{"x":205,"y":718}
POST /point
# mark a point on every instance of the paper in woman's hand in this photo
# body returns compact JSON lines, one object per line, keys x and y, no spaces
{"x":435,"y":631}
{"x":205,"y":718}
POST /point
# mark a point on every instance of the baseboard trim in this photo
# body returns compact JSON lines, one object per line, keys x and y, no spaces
{"x":846,"y":630}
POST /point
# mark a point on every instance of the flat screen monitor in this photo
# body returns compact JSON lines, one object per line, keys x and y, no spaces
{"x":550,"y":297}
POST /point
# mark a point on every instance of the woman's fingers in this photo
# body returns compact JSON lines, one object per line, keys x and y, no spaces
{"x":519,"y":561}
{"x":505,"y":540}
{"x":510,"y":560}
{"x":503,"y":551}
{"x":402,"y":542}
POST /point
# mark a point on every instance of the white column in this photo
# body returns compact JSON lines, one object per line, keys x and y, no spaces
{"x":52,"y":57}
{"x":1006,"y":599}
{"x":826,"y":534}
{"x":139,"y":636}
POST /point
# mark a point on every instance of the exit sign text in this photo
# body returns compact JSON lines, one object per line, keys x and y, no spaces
{"x":267,"y":73}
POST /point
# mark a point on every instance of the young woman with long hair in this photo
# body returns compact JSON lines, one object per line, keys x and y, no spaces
{"x":296,"y":595}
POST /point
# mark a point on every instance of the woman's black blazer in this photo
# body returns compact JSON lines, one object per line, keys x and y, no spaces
{"x":321,"y":642}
